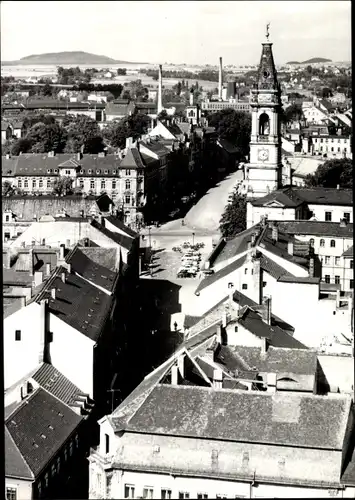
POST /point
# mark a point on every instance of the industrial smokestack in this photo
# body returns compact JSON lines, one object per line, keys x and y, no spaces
{"x":160,"y":90}
{"x":220,"y":82}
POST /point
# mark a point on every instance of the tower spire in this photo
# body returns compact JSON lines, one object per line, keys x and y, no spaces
{"x":267,"y":32}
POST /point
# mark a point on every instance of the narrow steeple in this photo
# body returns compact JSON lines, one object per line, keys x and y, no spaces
{"x":267,"y":76}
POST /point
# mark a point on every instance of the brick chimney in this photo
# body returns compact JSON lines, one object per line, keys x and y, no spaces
{"x":48,"y":269}
{"x":174,"y":375}
{"x":220,"y":80}
{"x":290,"y":247}
{"x":30,"y":262}
{"x":63,"y":276}
{"x":53,"y":293}
{"x":311,"y":267}
{"x":275,"y":233}
{"x":191,"y":97}
{"x":7,"y":259}
{"x":43,"y":330}
{"x":271,"y":382}
{"x":62,"y":252}
{"x":219,"y":334}
{"x":38,"y":278}
{"x":266,"y":310}
{"x":160,"y":90}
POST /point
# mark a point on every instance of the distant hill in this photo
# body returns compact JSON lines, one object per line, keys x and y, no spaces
{"x":59,"y":58}
{"x":314,"y":60}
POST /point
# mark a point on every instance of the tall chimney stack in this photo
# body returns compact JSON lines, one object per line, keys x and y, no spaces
{"x":160,"y":90}
{"x":220,"y":83}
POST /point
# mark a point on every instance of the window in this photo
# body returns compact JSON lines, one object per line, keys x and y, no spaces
{"x":311,"y":242}
{"x":244,"y":286}
{"x":332,"y":243}
{"x":338,"y":150}
{"x":76,"y":441}
{"x":46,"y":477}
{"x":53,"y":470}
{"x":39,"y":489}
{"x":11,"y":493}
{"x":81,"y":183}
{"x":328,"y":216}
{"x":92,"y":184}
{"x":202,"y":496}
{"x":103,"y":184}
{"x":48,"y":183}
{"x":148,"y":492}
{"x":332,"y":149}
{"x":351,"y":264}
{"x":327,"y":278}
{"x":128,"y":173}
{"x":264,"y":284}
{"x":67,"y":172}
{"x":184,"y":494}
{"x":128,"y":185}
{"x":7,"y":218}
{"x":166,"y":494}
{"x":128,"y":491}
{"x":34,"y":183}
{"x":246,"y":270}
{"x":107,"y":443}
{"x":351,"y":284}
{"x":221,"y":496}
{"x":327,"y":259}
{"x":58,"y":464}
{"x":71,"y":446}
{"x":127,"y":200}
{"x":26,"y":183}
{"x":19,"y":183}
{"x":322,"y":243}
{"x":337,"y":280}
{"x":337,"y":261}
{"x":18,"y":335}
{"x":346,"y":216}
{"x":113,"y":184}
{"x":65,"y":454}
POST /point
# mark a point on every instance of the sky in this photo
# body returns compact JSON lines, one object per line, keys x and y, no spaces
{"x":191,"y":32}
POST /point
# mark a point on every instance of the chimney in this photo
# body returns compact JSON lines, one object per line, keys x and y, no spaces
{"x":338,"y":186}
{"x":181,"y":365}
{"x":23,"y":301}
{"x":311,"y":267}
{"x":48,"y":269}
{"x":271,"y":382}
{"x":78,"y":156}
{"x":53,"y":293}
{"x":275,"y":233}
{"x":30,"y":262}
{"x":51,"y":154}
{"x":62,"y":252}
{"x":219,"y":334}
{"x":43,"y":329}
{"x":266,"y":311}
{"x":68,"y":266}
{"x":253,"y":239}
{"x":63,"y":277}
{"x":68,"y":243}
{"x":217,"y":378}
{"x":224,"y":318}
{"x":343,"y":222}
{"x":191,"y":97}
{"x":160,"y":90}
{"x":38,"y":278}
{"x":129,"y":142}
{"x":7,"y":156}
{"x":174,"y":375}
{"x":290,"y":247}
{"x":220,"y":83}
{"x":264,"y":345}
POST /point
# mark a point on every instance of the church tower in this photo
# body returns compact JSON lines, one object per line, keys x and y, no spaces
{"x":265,"y":168}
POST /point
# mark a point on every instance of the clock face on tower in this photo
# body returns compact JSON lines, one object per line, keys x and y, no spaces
{"x":263,"y":154}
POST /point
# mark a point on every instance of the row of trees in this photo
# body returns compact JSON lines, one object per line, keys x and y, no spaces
{"x":75,"y":133}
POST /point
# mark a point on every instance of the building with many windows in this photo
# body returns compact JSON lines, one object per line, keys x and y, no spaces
{"x":334,"y":146}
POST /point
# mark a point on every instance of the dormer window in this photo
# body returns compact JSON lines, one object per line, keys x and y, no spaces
{"x":55,"y":170}
{"x":106,"y":171}
{"x":90,"y":171}
{"x":49,"y":170}
{"x":114,"y":172}
{"x":81,"y":171}
{"x":98,"y":171}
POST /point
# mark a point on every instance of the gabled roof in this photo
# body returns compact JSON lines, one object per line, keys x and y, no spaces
{"x":325,"y":196}
{"x":118,"y":238}
{"x":90,"y":270}
{"x":106,"y":257}
{"x":286,"y":197}
{"x":225,"y":271}
{"x":316,"y":228}
{"x":132,"y":159}
{"x":278,"y":419}
{"x":349,"y":252}
{"x":37,"y":430}
{"x":13,"y":277}
{"x":78,"y":303}
{"x":120,"y":225}
{"x":156,"y":147}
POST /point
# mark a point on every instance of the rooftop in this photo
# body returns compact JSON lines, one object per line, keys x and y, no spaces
{"x":316,"y":228}
{"x":292,"y":197}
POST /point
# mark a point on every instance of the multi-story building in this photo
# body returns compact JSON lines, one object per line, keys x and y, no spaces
{"x":215,"y":106}
{"x":332,"y":146}
{"x":96,"y":111}
{"x":222,"y":370}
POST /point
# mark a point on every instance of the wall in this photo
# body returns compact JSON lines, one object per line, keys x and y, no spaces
{"x":254,"y":214}
{"x":24,"y":488}
{"x":241,"y":337}
{"x":20,"y":357}
{"x":337,"y":212}
{"x":293,"y":268}
{"x":71,"y":353}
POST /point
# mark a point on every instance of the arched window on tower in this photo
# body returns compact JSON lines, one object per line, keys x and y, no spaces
{"x":264,"y":124}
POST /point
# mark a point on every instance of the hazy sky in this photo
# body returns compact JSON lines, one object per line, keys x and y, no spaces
{"x":178,"y":32}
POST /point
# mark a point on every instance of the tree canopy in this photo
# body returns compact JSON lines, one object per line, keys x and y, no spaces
{"x":234,"y":126}
{"x":234,"y":218}
{"x":82,"y":132}
{"x":332,"y":173}
{"x":133,"y":126}
{"x":63,"y":186}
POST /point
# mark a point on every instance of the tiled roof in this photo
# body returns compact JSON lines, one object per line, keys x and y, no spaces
{"x":41,"y":258}
{"x":120,"y":225}
{"x":234,"y":246}
{"x":253,"y":417}
{"x":173,"y":129}
{"x":348,"y":477}
{"x":349,"y":252}
{"x":78,"y":303}
{"x":225,"y":271}
{"x":90,"y":270}
{"x":156,"y":147}
{"x":4,"y":125}
{"x":316,"y":228}
{"x":132,"y":159}
{"x":184,"y":127}
{"x":328,"y":105}
{"x":299,"y":279}
{"x":271,"y":267}
{"x":228,"y":146}
{"x":53,"y":104}
{"x":106,"y":257}
{"x":40,"y":415}
{"x":277,"y":337}
{"x":117,"y":109}
{"x":325,"y":196}
{"x":118,"y":238}
{"x":286,"y":197}
{"x":56,"y":384}
{"x":280,"y":247}
{"x":15,"y":465}
{"x":25,"y":207}
{"x":13,"y":277}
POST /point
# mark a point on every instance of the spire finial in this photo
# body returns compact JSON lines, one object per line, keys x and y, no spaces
{"x":267,"y":31}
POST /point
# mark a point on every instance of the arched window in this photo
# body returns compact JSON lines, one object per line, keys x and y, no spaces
{"x":322,"y":243}
{"x":311,"y":242}
{"x":332,"y":243}
{"x":264,"y":124}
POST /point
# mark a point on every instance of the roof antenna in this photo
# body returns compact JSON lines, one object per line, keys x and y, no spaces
{"x":267,"y":31}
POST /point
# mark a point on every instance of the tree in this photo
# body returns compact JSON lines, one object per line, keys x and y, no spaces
{"x":163,"y":115}
{"x":20,"y":146}
{"x":7,"y":189}
{"x":332,"y":173}
{"x":133,"y":126}
{"x":82,"y":131}
{"x":233,"y":220}
{"x":121,"y":71}
{"x":292,"y":113}
{"x":47,"y":90}
{"x":63,"y":186}
{"x":44,"y":138}
{"x":234,"y":126}
{"x":326,"y":92}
